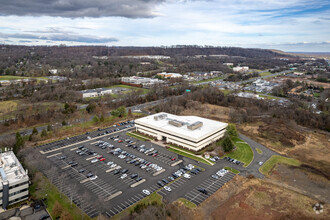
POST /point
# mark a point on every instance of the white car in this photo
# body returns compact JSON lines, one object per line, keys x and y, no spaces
{"x":147,"y":192}
{"x":260,"y":163}
{"x":93,"y":177}
{"x":113,"y":165}
{"x":212,"y":159}
{"x":186,"y":175}
{"x":109,"y":163}
{"x":123,"y":176}
{"x":94,"y":160}
{"x":167,"y":188}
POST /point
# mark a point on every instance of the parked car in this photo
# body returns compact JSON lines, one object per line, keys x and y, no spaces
{"x":94,"y":160}
{"x":93,"y":177}
{"x":202,"y":190}
{"x":167,"y":188}
{"x":147,"y":192}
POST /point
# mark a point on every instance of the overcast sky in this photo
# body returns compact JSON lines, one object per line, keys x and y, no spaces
{"x":289,"y":25}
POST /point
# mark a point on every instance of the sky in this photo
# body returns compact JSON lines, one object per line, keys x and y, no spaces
{"x":288,"y":25}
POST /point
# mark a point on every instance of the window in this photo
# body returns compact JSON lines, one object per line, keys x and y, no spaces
{"x":17,"y":185}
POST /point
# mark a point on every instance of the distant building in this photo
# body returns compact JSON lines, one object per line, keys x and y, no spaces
{"x":153,"y":57}
{"x":240,"y":68}
{"x":190,"y":132}
{"x":228,"y":64}
{"x":14,"y":182}
{"x":248,"y":95}
{"x":5,"y":82}
{"x":169,"y":75}
{"x":90,"y":93}
{"x":53,"y":71}
{"x":140,"y":81}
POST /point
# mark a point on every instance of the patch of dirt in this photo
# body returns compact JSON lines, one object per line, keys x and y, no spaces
{"x":248,"y":199}
{"x":309,"y":181}
{"x":282,"y":133}
{"x":213,"y":112}
{"x":313,"y":151}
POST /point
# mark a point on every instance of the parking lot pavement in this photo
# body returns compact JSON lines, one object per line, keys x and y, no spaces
{"x":210,"y":185}
{"x":115,"y":190}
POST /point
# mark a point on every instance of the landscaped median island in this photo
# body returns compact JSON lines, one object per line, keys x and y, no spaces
{"x":242,"y":152}
{"x":153,"y":199}
{"x":232,"y":170}
{"x":259,"y":151}
{"x":138,"y":136}
{"x":276,"y":159}
{"x":189,"y":155}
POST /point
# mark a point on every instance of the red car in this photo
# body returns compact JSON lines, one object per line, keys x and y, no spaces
{"x":99,"y":157}
{"x":154,"y":155}
{"x":173,"y":158}
{"x":120,"y":141}
{"x":102,"y":159}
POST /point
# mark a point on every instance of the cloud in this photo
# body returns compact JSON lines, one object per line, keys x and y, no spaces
{"x":67,"y":37}
{"x":81,"y":8}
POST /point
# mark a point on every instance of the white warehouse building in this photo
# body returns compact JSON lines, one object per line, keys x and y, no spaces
{"x":14,"y":181}
{"x":190,"y":132}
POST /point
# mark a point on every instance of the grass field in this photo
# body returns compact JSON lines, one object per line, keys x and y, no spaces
{"x":276,"y":159}
{"x":208,"y":80}
{"x":54,"y":195}
{"x":259,"y":151}
{"x":189,"y":155}
{"x":144,"y":91}
{"x":243,"y":152}
{"x":154,"y":198}
{"x":265,"y":74}
{"x":187,"y":203}
{"x":232,"y":170}
{"x":7,"y":106}
{"x":8,"y":77}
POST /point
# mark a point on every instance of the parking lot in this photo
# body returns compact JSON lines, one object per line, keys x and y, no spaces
{"x":117,"y":171}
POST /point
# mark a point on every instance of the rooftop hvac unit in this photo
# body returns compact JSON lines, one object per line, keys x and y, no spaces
{"x":160,"y":117}
{"x":195,"y":125}
{"x":176,"y":123}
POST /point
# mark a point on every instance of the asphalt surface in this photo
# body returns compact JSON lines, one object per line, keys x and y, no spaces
{"x":117,"y":194}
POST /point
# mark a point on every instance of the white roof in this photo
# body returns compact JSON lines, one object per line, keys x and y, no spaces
{"x":209,"y":126}
{"x":10,"y":168}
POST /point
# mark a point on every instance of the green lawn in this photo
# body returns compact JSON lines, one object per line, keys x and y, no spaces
{"x":8,"y":77}
{"x":138,"y":136}
{"x":259,"y":151}
{"x":208,"y":80}
{"x":187,"y":203}
{"x":265,"y":74}
{"x":232,"y":170}
{"x":154,"y":198}
{"x":8,"y":106}
{"x":144,"y":91}
{"x":243,"y":152}
{"x":54,"y":195}
{"x":276,"y":159}
{"x":187,"y":154}
{"x":225,"y":91}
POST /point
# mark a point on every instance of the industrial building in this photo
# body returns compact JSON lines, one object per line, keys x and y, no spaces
{"x":189,"y":132}
{"x":240,"y":68}
{"x":96,"y":92}
{"x":140,"y":81}
{"x":169,"y":75}
{"x":14,"y":182}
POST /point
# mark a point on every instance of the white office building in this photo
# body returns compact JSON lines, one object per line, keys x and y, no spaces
{"x":190,"y":132}
{"x":14,"y":181}
{"x":89,"y":93}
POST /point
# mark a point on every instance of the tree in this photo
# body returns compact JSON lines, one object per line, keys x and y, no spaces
{"x":49,"y":128}
{"x":227,"y":144}
{"x":102,"y":118}
{"x":96,"y":119}
{"x":43,"y":133}
{"x":57,"y":210}
{"x":91,"y":108}
{"x":66,"y":216}
{"x":34,"y":131}
{"x":231,"y":130}
{"x":19,"y":142}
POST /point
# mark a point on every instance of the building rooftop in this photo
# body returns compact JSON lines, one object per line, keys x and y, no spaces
{"x":182,"y":125}
{"x":11,"y":169}
{"x":95,"y":90}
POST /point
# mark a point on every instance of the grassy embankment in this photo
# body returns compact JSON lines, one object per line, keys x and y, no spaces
{"x":187,"y":203}
{"x":232,"y":170}
{"x":276,"y":159}
{"x":188,"y":154}
{"x":9,"y":77}
{"x":153,"y":198}
{"x":242,"y":153}
{"x":208,"y":80}
{"x":54,"y":195}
